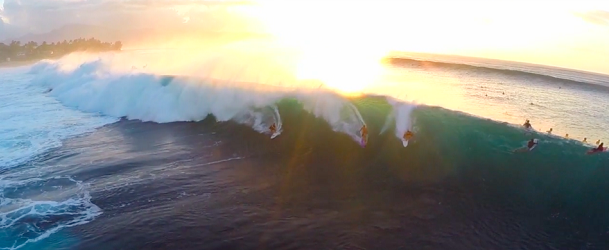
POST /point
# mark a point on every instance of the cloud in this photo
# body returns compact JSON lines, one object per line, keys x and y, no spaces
{"x":599,"y":17}
{"x":40,"y":16}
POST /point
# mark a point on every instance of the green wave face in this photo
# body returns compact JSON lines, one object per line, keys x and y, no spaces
{"x":451,"y":146}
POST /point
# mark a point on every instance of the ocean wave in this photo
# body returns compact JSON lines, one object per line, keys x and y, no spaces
{"x":90,"y":87}
{"x":599,"y":82}
{"x":33,"y":123}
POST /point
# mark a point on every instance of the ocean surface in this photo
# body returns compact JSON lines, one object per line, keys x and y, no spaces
{"x":96,"y":158}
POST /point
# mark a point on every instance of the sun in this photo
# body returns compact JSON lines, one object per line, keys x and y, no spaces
{"x":346,"y":72}
{"x":338,"y":49}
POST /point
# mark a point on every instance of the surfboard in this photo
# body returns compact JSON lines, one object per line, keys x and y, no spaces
{"x":591,"y":151}
{"x":524,"y":149}
{"x":405,"y":139}
{"x":275,"y":134}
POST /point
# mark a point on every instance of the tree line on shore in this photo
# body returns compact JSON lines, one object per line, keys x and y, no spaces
{"x":15,"y":51}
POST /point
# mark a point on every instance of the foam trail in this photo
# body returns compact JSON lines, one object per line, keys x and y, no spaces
{"x":260,"y":119}
{"x":340,"y":114}
{"x":277,"y":119}
{"x":403,"y":121}
{"x":402,"y":114}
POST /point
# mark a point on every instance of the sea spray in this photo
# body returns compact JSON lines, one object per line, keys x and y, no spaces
{"x":400,"y":116}
{"x":148,"y":97}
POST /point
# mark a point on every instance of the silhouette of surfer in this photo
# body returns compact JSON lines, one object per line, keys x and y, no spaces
{"x":531,"y":144}
{"x":273,"y":128}
{"x":527,"y":124}
{"x":549,"y":131}
{"x":598,"y":149}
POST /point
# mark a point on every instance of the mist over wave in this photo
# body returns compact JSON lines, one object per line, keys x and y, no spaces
{"x":95,"y":87}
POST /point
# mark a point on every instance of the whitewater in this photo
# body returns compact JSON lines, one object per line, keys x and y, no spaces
{"x":78,"y":132}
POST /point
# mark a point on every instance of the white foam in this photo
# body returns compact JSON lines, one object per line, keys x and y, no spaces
{"x":402,"y":114}
{"x":340,"y":114}
{"x":260,"y":118}
{"x":35,"y":208}
{"x":31,"y":122}
{"x":94,"y":87}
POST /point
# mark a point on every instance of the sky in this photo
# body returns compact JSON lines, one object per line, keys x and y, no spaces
{"x":571,"y":34}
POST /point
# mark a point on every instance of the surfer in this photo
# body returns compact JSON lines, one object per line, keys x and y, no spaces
{"x":585,"y":140}
{"x":549,"y":131}
{"x":530,"y":146}
{"x":408,"y":135}
{"x":273,"y":128}
{"x":597,"y":142}
{"x":600,"y":148}
{"x":364,"y":131}
{"x":527,"y":124}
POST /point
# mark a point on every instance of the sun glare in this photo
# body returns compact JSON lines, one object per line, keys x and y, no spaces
{"x":347,"y":73}
{"x":337,"y":44}
{"x":541,"y":33}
